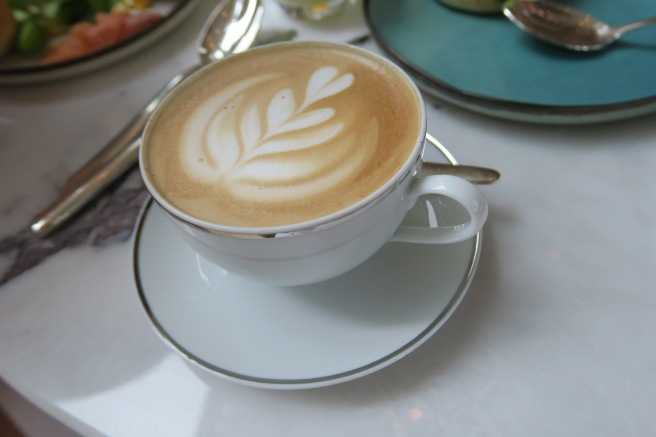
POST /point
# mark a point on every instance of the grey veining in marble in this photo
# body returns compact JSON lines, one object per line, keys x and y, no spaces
{"x":109,"y":218}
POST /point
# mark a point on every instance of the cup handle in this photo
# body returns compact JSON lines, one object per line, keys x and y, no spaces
{"x":454,"y":188}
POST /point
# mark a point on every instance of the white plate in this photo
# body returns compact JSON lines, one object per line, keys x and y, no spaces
{"x":17,"y":71}
{"x":299,"y":337}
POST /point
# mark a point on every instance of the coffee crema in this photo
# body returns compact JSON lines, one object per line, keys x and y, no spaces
{"x":281,"y":135}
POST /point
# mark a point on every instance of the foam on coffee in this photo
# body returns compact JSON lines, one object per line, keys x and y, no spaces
{"x":281,"y":135}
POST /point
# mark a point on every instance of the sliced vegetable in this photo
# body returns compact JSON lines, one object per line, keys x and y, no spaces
{"x":31,"y":39}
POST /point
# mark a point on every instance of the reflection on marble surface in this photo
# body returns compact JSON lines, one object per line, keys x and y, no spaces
{"x":109,"y":218}
{"x":28,"y":418}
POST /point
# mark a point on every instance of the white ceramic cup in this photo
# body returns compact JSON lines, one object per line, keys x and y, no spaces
{"x":326,"y":247}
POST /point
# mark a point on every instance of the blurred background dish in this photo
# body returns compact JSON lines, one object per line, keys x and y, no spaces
{"x":140,"y":28}
{"x":313,"y":10}
{"x":485,"y":64}
{"x":476,"y":6}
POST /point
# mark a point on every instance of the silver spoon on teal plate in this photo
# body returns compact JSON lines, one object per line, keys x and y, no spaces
{"x":567,"y":27}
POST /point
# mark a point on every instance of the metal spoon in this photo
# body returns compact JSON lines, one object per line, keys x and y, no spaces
{"x":475,"y":175}
{"x":566,"y":27}
{"x":231,"y":28}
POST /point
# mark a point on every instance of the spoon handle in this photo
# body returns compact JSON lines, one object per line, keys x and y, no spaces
{"x":104,"y":168}
{"x":475,"y":175}
{"x":622,"y":28}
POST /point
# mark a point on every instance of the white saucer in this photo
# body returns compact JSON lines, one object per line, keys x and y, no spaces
{"x":299,"y":337}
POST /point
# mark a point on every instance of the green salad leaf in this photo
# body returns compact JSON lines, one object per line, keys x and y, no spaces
{"x":40,"y":20}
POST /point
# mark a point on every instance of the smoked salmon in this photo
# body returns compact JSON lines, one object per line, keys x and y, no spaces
{"x":110,"y":28}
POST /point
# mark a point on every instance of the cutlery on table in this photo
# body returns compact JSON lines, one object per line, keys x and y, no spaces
{"x":566,"y":27}
{"x":476,"y":175}
{"x":232,"y":27}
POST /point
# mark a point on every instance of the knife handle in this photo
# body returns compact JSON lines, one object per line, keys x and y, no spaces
{"x":104,"y":168}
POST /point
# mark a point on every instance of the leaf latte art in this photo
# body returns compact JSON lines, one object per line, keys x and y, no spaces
{"x":259,"y":150}
{"x":281,"y":135}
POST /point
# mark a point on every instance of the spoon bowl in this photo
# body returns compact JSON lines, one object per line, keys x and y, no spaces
{"x":231,"y":29}
{"x":566,"y":27}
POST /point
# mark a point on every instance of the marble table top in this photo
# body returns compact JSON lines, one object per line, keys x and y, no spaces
{"x":554,"y":337}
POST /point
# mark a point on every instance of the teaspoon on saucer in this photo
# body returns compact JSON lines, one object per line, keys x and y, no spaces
{"x":475,"y":175}
{"x":566,"y":27}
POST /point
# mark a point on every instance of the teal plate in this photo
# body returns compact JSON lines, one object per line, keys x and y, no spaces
{"x":486,"y":64}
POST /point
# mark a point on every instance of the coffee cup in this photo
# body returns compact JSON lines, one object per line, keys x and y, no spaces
{"x":295,"y":162}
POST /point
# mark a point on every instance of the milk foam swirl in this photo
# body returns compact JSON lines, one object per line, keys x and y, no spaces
{"x":270,"y":148}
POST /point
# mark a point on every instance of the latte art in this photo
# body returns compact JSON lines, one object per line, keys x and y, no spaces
{"x":257,"y":152}
{"x":281,"y":135}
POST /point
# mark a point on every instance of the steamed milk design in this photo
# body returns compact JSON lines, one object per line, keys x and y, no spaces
{"x":281,"y":135}
{"x":295,"y":163}
{"x":257,"y":153}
